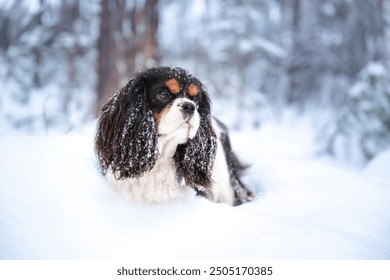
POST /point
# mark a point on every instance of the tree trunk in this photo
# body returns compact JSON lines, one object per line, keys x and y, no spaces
{"x":107,"y":76}
{"x":121,"y":53}
{"x":149,"y":43}
{"x":293,"y":69}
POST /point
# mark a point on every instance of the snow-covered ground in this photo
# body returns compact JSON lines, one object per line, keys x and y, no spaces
{"x":55,"y":205}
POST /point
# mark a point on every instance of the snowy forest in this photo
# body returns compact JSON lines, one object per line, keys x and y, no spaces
{"x":61,"y":60}
{"x":302,"y":85}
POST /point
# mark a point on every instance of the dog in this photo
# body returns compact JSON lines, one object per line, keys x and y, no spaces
{"x":156,"y":141}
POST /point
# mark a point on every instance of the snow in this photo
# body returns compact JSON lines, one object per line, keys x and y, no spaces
{"x":378,"y":168}
{"x":54,"y":204}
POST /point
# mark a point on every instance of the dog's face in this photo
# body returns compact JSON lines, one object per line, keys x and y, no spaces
{"x":175,"y":102}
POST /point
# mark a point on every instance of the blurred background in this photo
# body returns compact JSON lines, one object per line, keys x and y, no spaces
{"x":327,"y":59}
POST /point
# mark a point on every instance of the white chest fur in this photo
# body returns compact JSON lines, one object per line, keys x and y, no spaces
{"x":158,"y":185}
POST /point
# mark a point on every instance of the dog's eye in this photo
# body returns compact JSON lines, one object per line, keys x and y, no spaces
{"x":163,"y":96}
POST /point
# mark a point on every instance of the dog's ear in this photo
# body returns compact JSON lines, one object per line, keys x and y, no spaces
{"x":195,"y":159}
{"x":126,"y":139}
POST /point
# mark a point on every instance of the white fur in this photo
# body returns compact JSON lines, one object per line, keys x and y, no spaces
{"x":175,"y":126}
{"x":160,"y":184}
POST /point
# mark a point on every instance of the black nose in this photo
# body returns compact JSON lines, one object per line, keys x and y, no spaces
{"x":187,"y":108}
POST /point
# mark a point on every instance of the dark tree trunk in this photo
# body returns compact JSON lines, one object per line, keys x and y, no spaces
{"x":293,"y":69}
{"x":107,"y":76}
{"x":127,"y":43}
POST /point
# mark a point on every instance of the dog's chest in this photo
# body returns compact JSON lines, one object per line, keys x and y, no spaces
{"x":158,"y":185}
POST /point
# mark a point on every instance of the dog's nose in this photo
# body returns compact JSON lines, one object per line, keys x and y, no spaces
{"x":187,"y":108}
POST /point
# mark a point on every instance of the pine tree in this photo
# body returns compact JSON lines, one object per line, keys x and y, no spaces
{"x":364,"y":124}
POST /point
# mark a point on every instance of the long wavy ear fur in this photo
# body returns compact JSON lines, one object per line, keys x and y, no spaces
{"x":195,"y":159}
{"x":126,"y":139}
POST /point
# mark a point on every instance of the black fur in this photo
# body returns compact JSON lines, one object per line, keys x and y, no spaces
{"x":195,"y":159}
{"x":126,"y":139}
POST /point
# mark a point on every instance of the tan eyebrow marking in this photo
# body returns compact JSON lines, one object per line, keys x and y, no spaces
{"x":173,"y":86}
{"x":193,"y":90}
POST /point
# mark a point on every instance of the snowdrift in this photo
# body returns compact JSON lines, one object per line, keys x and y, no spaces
{"x":54,"y":204}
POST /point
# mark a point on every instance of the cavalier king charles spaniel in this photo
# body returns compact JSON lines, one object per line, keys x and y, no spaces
{"x":156,"y":141}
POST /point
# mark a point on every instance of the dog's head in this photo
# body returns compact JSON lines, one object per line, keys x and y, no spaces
{"x":158,"y":106}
